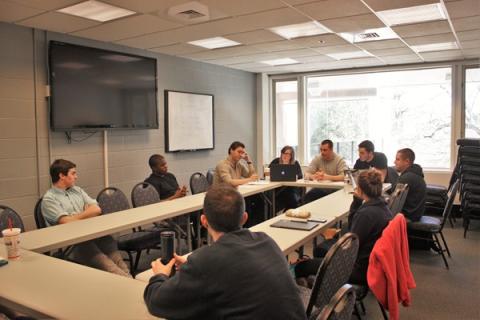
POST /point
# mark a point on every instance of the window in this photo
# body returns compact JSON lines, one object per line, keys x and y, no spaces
{"x":472,"y":103}
{"x":286,"y":114}
{"x":395,"y":110}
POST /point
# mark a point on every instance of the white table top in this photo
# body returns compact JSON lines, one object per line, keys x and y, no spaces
{"x":46,"y":287}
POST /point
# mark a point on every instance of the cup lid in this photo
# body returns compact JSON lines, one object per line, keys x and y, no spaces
{"x":11,"y":232}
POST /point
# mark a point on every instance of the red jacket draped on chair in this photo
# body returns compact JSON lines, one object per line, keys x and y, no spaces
{"x":389,"y":275}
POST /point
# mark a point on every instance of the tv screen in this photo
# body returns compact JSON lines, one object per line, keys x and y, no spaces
{"x":98,"y":89}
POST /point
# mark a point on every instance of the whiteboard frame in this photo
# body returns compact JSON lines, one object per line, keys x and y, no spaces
{"x":166,"y":120}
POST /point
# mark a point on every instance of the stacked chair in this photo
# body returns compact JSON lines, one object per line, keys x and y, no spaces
{"x":468,"y":170}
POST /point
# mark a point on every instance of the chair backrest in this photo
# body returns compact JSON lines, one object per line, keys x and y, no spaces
{"x":143,"y":194}
{"x":397,"y":200}
{"x":448,"y":207}
{"x":392,"y":176}
{"x":198,"y":183}
{"x":334,"y":271}
{"x":8,"y":214}
{"x":112,"y":199}
{"x":210,"y":173}
{"x":39,"y":219}
{"x":340,"y":306}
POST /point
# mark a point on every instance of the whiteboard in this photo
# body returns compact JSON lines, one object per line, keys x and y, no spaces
{"x":188,"y":121}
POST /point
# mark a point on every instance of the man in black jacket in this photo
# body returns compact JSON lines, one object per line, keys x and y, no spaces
{"x":411,"y":174}
{"x":242,"y":275}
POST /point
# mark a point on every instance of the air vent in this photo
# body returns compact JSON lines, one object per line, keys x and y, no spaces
{"x":369,"y":36}
{"x":190,"y":12}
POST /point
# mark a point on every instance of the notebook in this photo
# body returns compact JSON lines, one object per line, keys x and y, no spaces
{"x":283,"y":172}
{"x":297,"y":225}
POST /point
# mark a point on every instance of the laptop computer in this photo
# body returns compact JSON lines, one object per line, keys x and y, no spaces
{"x":283,"y":172}
{"x":296,"y":225}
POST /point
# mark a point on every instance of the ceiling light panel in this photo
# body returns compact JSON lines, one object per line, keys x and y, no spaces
{"x":349,"y":55}
{"x":96,"y":10}
{"x":435,"y":47}
{"x":216,"y":42}
{"x":428,"y":12}
{"x":306,"y":29}
{"x":280,"y":62}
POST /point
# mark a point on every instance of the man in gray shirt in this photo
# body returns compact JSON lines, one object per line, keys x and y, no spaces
{"x":67,"y":203}
{"x":326,"y":166}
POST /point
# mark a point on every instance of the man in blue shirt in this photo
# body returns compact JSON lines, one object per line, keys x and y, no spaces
{"x":66,"y":203}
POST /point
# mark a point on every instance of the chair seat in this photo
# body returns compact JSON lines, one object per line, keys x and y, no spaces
{"x":426,"y":223}
{"x":436,"y":189}
{"x":138,"y":240}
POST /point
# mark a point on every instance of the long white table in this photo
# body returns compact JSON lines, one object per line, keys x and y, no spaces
{"x":43,"y":286}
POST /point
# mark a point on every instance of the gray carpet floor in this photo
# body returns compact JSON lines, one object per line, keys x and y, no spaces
{"x":440,"y":293}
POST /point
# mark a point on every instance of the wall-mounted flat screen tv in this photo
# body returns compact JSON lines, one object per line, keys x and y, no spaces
{"x":98,"y":89}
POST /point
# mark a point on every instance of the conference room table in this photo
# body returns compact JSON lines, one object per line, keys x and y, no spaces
{"x":43,"y":286}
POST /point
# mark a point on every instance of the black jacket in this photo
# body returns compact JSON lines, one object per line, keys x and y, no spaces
{"x":367,"y":222}
{"x":414,"y":206}
{"x":243,"y":275}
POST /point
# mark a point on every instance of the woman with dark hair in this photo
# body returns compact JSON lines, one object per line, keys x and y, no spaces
{"x":288,"y":197}
{"x":367,"y":221}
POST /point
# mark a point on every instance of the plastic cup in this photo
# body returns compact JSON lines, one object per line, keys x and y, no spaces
{"x":11,"y":238}
{"x":266,"y":173}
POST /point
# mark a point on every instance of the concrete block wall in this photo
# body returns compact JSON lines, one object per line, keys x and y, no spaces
{"x":27,"y":145}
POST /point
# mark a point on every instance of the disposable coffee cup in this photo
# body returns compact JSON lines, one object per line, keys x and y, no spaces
{"x":167,"y":240}
{"x":11,"y":238}
{"x":266,"y":173}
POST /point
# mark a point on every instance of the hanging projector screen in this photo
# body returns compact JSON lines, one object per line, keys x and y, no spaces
{"x":188,"y":121}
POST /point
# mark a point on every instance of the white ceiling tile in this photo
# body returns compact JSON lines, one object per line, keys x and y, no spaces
{"x":468,"y":23}
{"x":464,"y":8}
{"x":437,"y":38}
{"x":382,"y":44}
{"x":470,"y":44}
{"x":329,"y":9}
{"x":145,"y":6}
{"x":318,"y":58}
{"x":322,"y":40}
{"x":469,"y":35}
{"x":11,"y":12}
{"x":392,"y":52}
{"x":246,"y":58}
{"x":354,"y":23}
{"x":248,"y":65}
{"x":127,"y":28}
{"x":380,"y":5}
{"x":277,"y":46}
{"x":178,"y":49}
{"x":58,"y":22}
{"x":410,"y":58}
{"x":422,"y":29}
{"x":214,"y":29}
{"x":272,"y":18}
{"x":364,"y":62}
{"x":224,"y":53}
{"x":252,"y":37}
{"x":442,"y":55}
{"x":46,"y":4}
{"x":156,"y":39}
{"x":297,"y":53}
{"x":241,"y":7}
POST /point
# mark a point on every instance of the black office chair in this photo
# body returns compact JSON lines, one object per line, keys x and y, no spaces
{"x":111,"y":200}
{"x":143,"y":194}
{"x":392,"y":176}
{"x":434,"y":226}
{"x":340,"y":306}
{"x":39,"y":219}
{"x":210,"y":174}
{"x":198,"y":183}
{"x":333,"y":273}
{"x":7,"y":216}
{"x":398,"y":197}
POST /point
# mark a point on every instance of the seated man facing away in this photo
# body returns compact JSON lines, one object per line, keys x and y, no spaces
{"x":367,"y":221}
{"x":65,"y":203}
{"x":411,"y":174}
{"x":237,"y":168}
{"x":165,"y":182}
{"x":242,"y":275}
{"x":369,"y":158}
{"x":326,"y":166}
